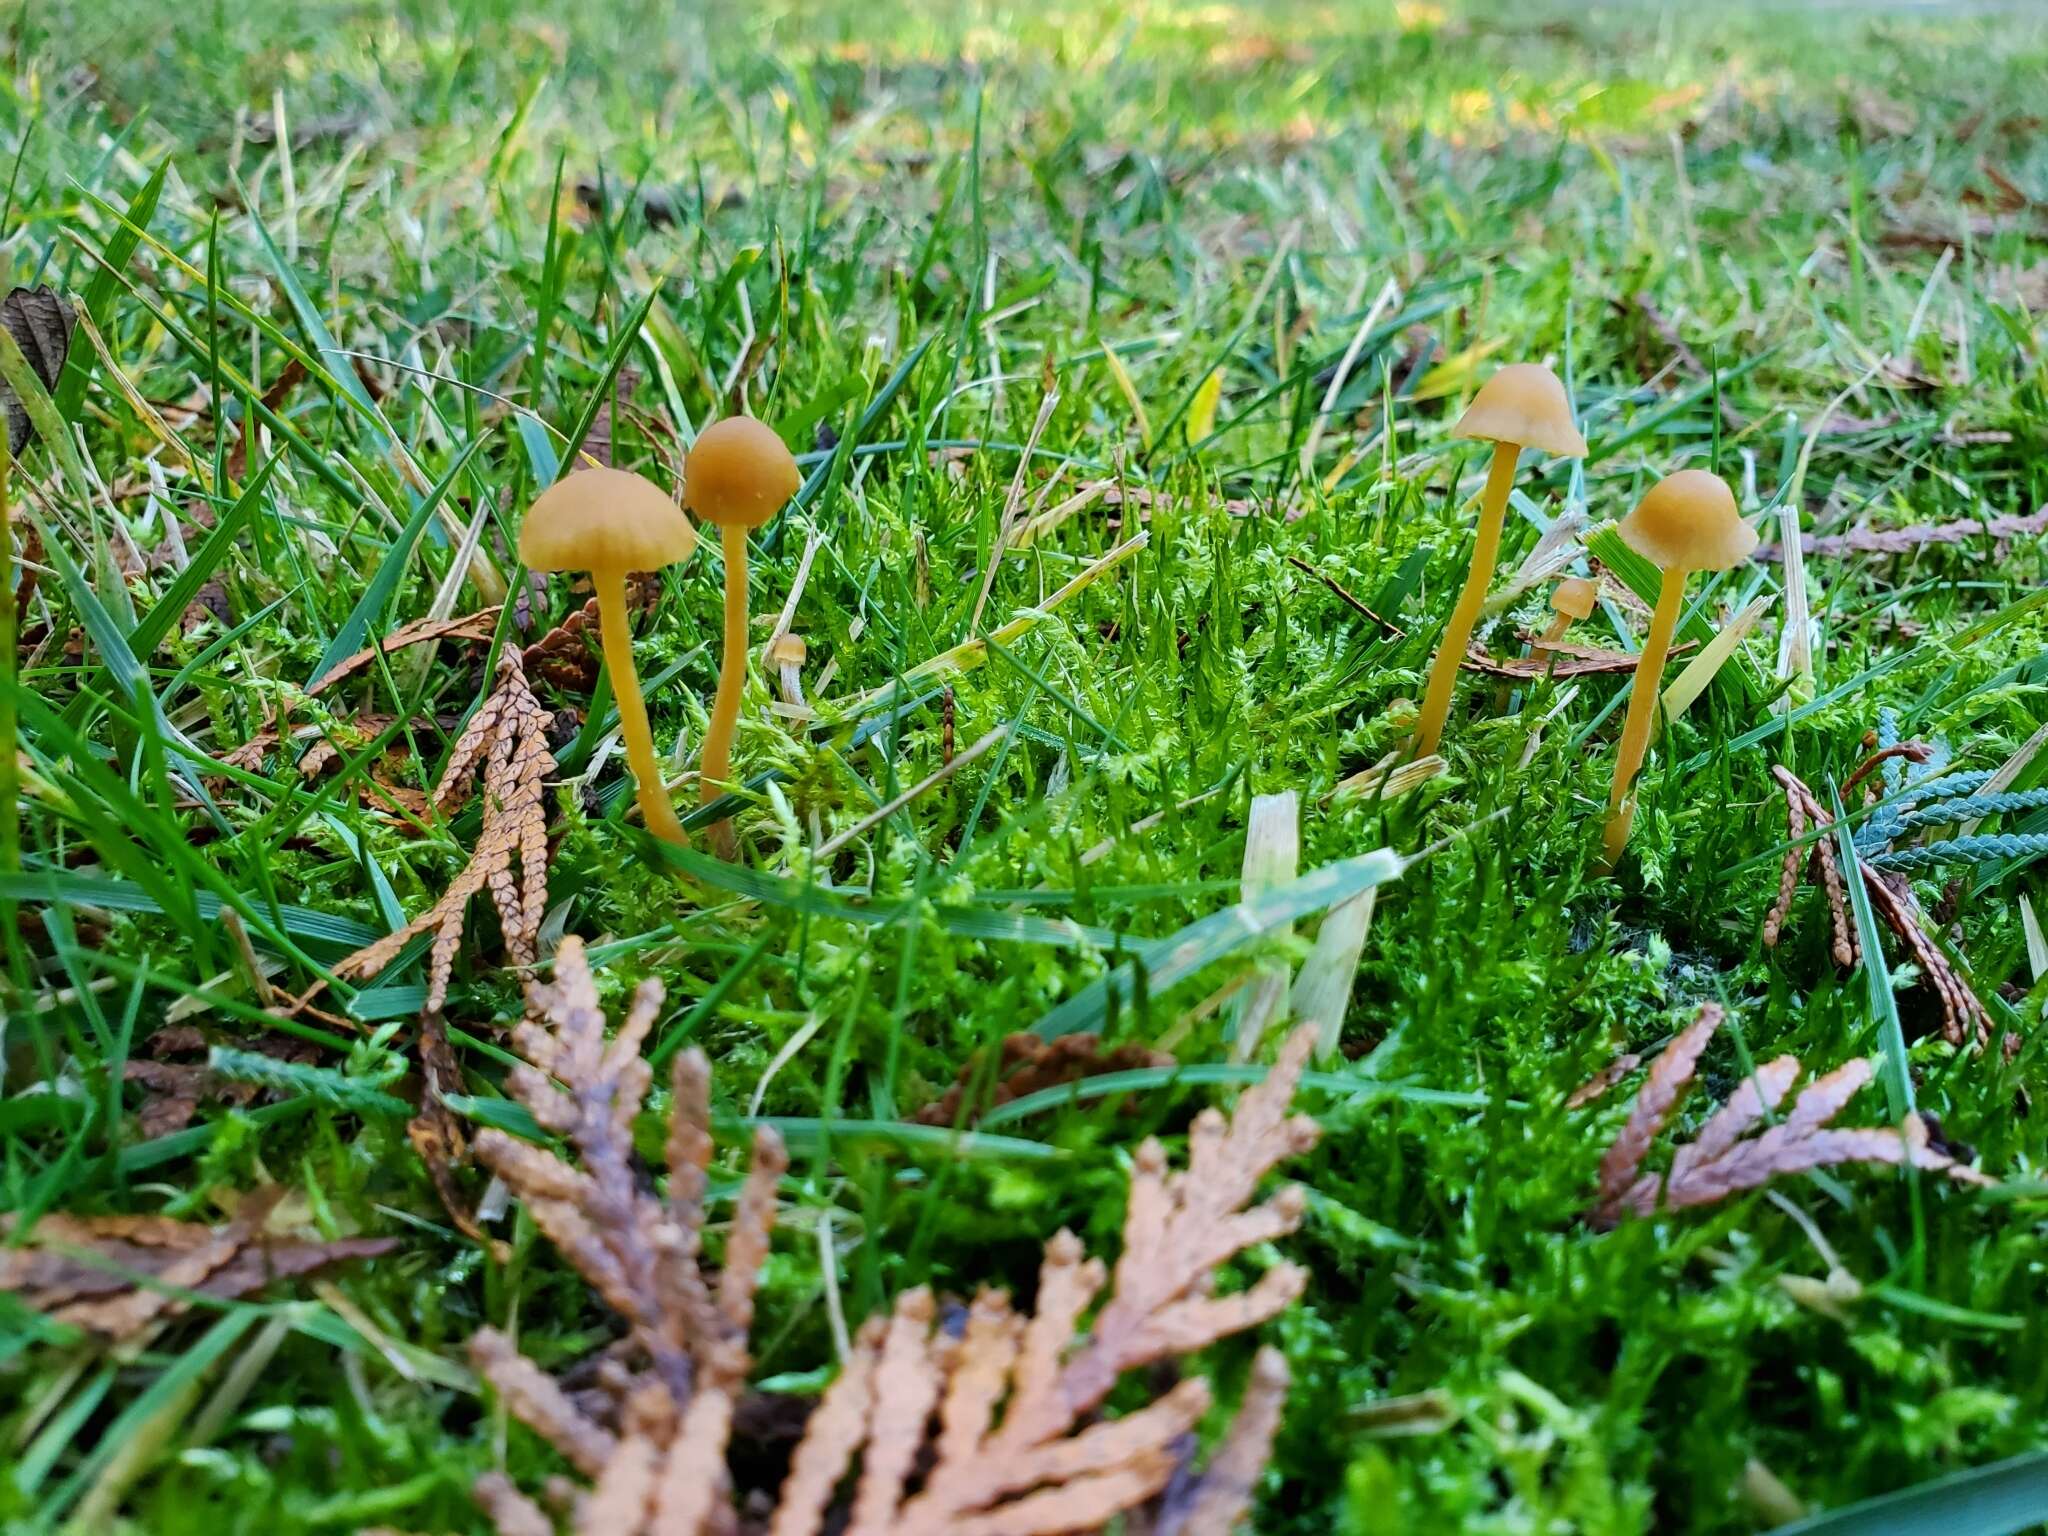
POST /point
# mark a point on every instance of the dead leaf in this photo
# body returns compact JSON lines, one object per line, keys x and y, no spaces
{"x":41,"y":323}
{"x":1030,"y":1064}
{"x":478,"y":626}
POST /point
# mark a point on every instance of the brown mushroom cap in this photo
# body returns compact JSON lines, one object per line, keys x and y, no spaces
{"x":602,"y":520}
{"x":738,"y":474}
{"x":788,"y":650}
{"x":1689,"y":522}
{"x":1524,"y":404}
{"x":1573,"y":597}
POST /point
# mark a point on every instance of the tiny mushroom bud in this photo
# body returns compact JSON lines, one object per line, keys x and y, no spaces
{"x":611,"y":524}
{"x":1688,"y":522}
{"x":738,"y":475}
{"x":1521,"y":406}
{"x":1570,"y":601}
{"x":787,"y":653}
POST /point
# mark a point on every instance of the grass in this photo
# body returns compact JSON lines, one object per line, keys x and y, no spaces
{"x":966,"y":259}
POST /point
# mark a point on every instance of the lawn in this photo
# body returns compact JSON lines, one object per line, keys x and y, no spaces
{"x":1120,"y":350}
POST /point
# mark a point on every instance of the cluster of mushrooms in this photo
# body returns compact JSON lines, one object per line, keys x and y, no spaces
{"x":1687,"y":522}
{"x":738,"y":475}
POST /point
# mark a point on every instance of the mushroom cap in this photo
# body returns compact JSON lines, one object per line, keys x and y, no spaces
{"x":1524,"y":404}
{"x":1688,"y":521}
{"x":738,"y":473}
{"x":788,"y":650}
{"x":1574,"y":597}
{"x":602,"y":520}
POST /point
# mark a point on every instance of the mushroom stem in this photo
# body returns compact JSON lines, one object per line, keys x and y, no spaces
{"x":732,"y":666}
{"x":615,"y":635}
{"x":1642,"y":709}
{"x":1450,"y":654}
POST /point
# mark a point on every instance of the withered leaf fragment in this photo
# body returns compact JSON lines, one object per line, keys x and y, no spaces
{"x":41,"y":324}
{"x":1724,"y":1158}
{"x":1029,"y":1064}
{"x":113,"y":1275}
{"x":986,"y":1429}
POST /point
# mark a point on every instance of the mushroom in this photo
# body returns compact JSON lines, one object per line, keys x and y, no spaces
{"x":1688,"y":522}
{"x":1521,"y":406}
{"x":738,"y":475}
{"x":1570,"y":601}
{"x":787,"y":654}
{"x":612,"y":523}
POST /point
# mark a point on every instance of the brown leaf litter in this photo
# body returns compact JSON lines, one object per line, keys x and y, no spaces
{"x":114,"y":1275}
{"x":1963,"y":1017}
{"x":1900,"y":541}
{"x":173,"y":1089}
{"x":1029,"y":1065}
{"x":1724,"y":1158}
{"x":1558,"y":658}
{"x":993,"y":1415}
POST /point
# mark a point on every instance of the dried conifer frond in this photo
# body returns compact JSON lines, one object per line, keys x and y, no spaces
{"x":114,"y":1275}
{"x":979,"y":1428}
{"x":1029,"y":1065}
{"x":1725,"y":1158}
{"x":1963,"y":1017}
{"x":508,"y":739}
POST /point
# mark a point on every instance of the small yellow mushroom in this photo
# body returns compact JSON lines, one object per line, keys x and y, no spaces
{"x":787,"y":653}
{"x":1688,"y":522}
{"x":738,"y":475}
{"x":611,"y":524}
{"x":1570,"y":602}
{"x":1521,"y":406}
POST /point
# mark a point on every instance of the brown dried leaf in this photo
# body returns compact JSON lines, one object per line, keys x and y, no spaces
{"x":1030,"y":1064}
{"x":477,"y":627}
{"x":1558,"y":659}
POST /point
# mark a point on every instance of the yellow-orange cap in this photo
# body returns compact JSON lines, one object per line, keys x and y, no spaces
{"x":1524,"y":404}
{"x":738,"y":474}
{"x":604,"y":519}
{"x":1689,"y":522}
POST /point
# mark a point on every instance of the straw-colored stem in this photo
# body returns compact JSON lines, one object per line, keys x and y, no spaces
{"x":616,"y":636}
{"x":732,"y":667}
{"x":1642,"y":712}
{"x":1450,"y":654}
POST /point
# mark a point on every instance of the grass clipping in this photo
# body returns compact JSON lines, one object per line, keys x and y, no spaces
{"x":917,"y":1401}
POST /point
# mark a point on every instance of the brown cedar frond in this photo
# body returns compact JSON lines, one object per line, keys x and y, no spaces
{"x":115,"y":1275}
{"x":1725,"y":1159}
{"x":508,"y":736}
{"x":987,"y":1429}
{"x":1891,"y":898}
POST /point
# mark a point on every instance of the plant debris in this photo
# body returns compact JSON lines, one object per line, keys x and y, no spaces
{"x":1029,"y":1064}
{"x":1724,"y":1159}
{"x":657,"y":1459}
{"x":1907,"y":806}
{"x":41,"y":324}
{"x":508,"y":737}
{"x":114,"y":1275}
